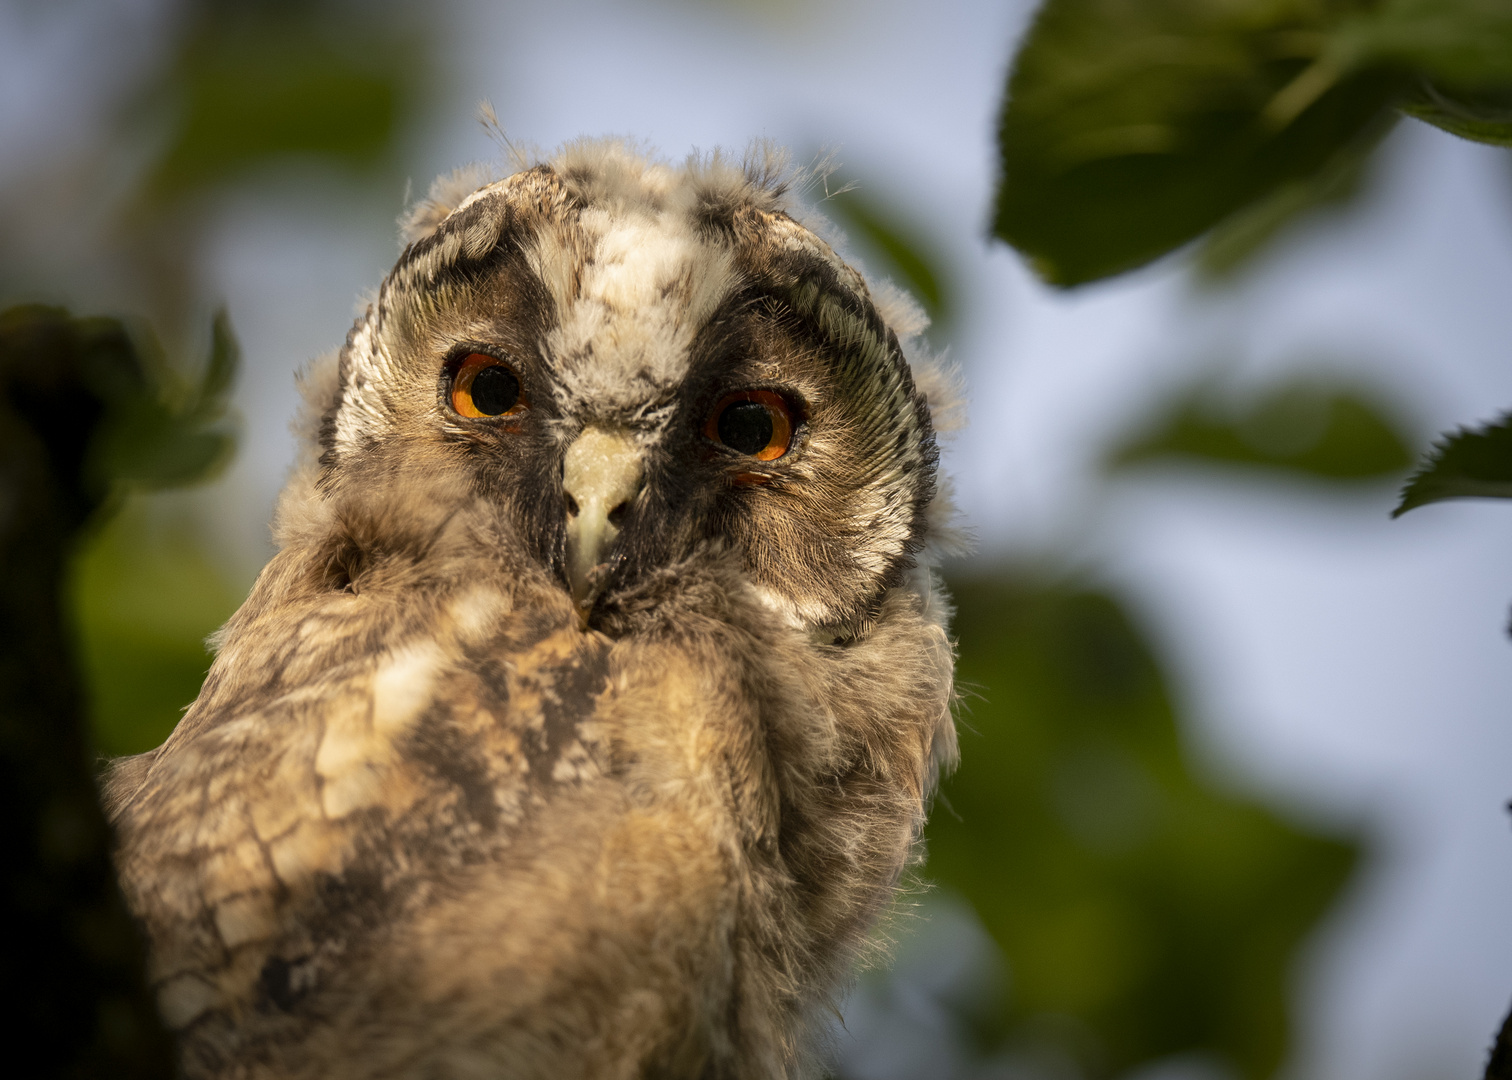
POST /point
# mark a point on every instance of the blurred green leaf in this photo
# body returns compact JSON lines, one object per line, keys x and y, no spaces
{"x":133,"y":418}
{"x":220,"y":369}
{"x":1464,"y":43}
{"x":263,"y":82}
{"x":1133,"y":900}
{"x":145,"y":595}
{"x":167,"y":432}
{"x":1131,"y":129}
{"x":1467,"y":464}
{"x":1241,"y":235}
{"x":1484,"y":117}
{"x":906,"y":256}
{"x":1463,"y":51}
{"x":1301,"y":426}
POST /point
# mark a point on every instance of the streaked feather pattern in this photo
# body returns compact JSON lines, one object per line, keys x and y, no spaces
{"x":423,"y":821}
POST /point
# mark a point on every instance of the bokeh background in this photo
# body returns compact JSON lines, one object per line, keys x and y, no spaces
{"x":1235,"y":745}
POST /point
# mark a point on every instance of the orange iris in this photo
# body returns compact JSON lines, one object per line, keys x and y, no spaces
{"x":486,"y":386}
{"x":754,"y":422}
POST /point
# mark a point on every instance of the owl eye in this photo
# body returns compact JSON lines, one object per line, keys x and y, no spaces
{"x":754,"y":422}
{"x":484,"y":386}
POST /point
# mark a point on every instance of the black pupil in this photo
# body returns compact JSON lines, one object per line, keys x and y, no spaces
{"x":746,"y":426}
{"x":495,"y":390}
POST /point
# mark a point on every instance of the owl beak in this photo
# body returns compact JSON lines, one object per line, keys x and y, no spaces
{"x":601,"y":476}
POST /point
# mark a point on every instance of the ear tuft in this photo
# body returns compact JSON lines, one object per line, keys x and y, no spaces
{"x":903,"y":314}
{"x":446,"y":194}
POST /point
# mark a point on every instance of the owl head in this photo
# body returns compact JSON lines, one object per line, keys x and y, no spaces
{"x":637,"y":367}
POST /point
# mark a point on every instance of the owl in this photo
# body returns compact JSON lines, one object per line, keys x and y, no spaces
{"x":585,"y":721}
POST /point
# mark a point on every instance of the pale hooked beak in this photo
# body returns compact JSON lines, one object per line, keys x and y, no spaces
{"x":601,"y":477}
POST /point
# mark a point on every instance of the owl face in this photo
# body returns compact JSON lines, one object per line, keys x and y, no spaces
{"x":636,"y":366}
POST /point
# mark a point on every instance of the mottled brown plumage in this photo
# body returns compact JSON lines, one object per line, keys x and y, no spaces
{"x":447,"y":807}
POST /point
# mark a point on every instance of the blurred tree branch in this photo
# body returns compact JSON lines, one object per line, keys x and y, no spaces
{"x":80,"y":414}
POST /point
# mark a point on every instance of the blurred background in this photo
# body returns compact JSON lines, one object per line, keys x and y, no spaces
{"x":1235,"y":747}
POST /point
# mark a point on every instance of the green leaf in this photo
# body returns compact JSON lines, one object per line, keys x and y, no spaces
{"x":1247,"y":231}
{"x":1143,"y":911}
{"x":1131,"y":129}
{"x":220,"y":370}
{"x":1464,"y":43}
{"x":1300,"y":427}
{"x":1462,"y":51}
{"x":163,"y":433}
{"x":110,"y":409}
{"x":884,"y":231}
{"x":1466,"y":464}
{"x":112,"y":417}
{"x":1481,"y":117}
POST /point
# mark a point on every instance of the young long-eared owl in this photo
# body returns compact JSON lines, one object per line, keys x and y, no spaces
{"x":585,"y":720}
